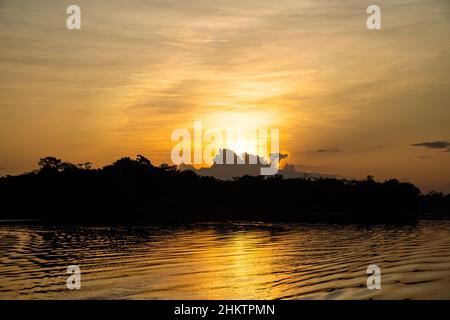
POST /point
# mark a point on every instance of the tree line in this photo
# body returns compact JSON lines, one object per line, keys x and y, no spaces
{"x":132,"y":190}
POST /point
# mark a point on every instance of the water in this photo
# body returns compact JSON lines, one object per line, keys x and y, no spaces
{"x":226,"y":261}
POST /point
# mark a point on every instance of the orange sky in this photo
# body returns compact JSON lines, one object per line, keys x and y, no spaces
{"x":347,"y":101}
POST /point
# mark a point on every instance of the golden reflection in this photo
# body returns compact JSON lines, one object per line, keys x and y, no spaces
{"x":226,"y":261}
{"x":241,"y":267}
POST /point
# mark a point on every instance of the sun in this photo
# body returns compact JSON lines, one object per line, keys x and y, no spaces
{"x":240,"y":146}
{"x":241,"y":128}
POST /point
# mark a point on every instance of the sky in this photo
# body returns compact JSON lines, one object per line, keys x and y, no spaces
{"x":347,"y":100}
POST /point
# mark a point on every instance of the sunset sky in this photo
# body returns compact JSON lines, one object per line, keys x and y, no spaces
{"x":347,"y":100}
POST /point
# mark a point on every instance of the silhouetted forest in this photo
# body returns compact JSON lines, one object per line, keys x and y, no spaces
{"x":131,"y":190}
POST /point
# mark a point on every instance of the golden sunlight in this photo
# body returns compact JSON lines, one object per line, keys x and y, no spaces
{"x":242,"y":130}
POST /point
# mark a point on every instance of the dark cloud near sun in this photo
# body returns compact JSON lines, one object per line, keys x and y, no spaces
{"x":331,"y":150}
{"x":327,"y":150}
{"x":280,"y":156}
{"x":434,"y":145}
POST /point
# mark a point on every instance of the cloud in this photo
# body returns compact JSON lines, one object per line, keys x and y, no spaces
{"x":327,"y":150}
{"x":280,"y":156}
{"x":434,"y":145}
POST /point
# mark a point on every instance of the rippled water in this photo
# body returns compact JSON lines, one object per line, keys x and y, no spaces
{"x":226,"y":261}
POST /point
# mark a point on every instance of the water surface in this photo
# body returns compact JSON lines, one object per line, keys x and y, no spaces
{"x":226,"y":261}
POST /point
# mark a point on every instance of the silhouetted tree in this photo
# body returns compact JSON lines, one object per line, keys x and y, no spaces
{"x":49,"y":163}
{"x":134,"y":189}
{"x":143,"y":160}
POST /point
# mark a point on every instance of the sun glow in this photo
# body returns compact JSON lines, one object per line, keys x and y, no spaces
{"x":243,"y":130}
{"x":242,"y":145}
